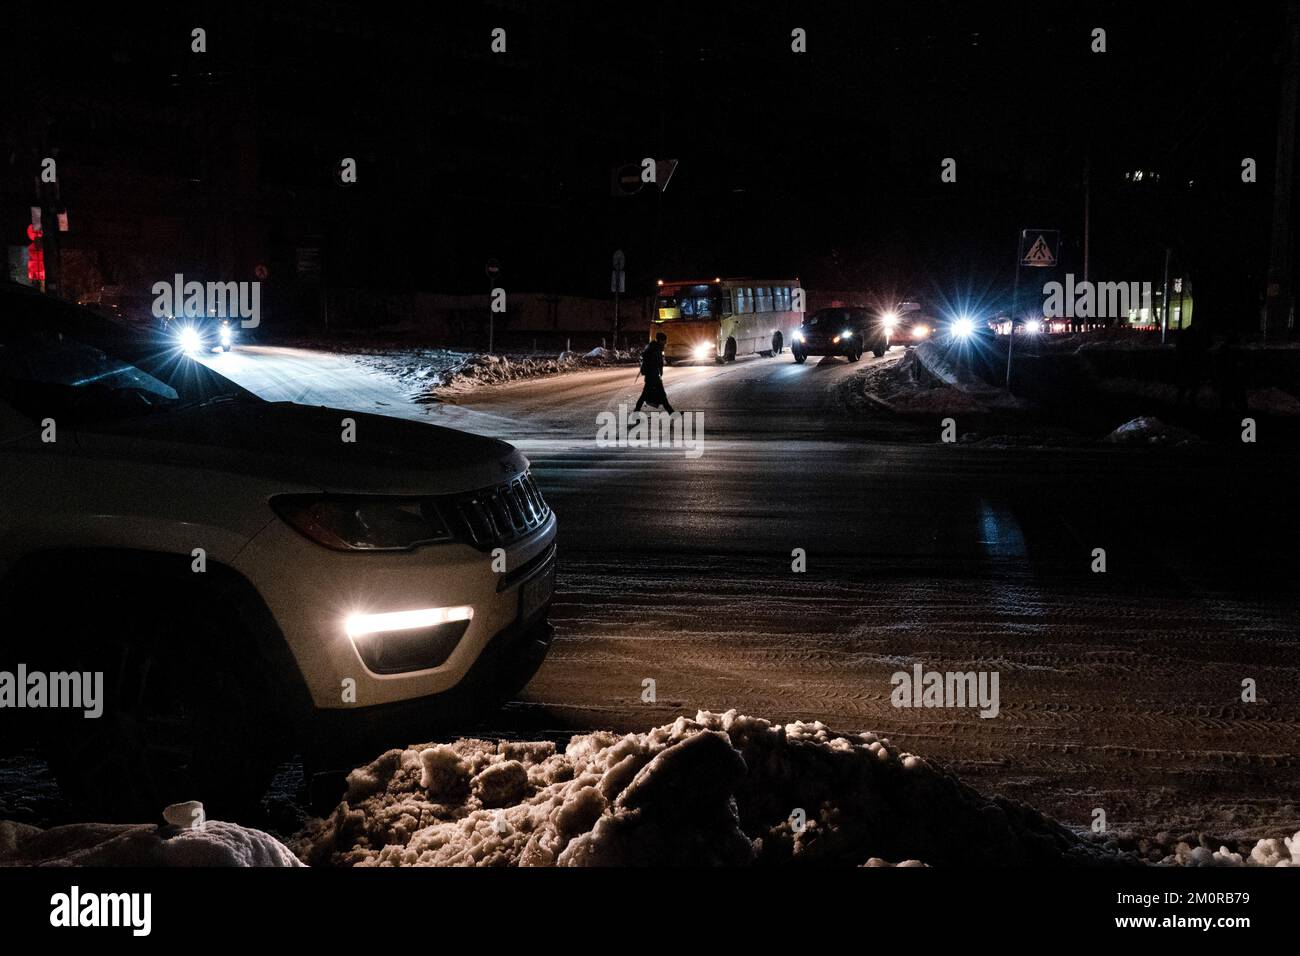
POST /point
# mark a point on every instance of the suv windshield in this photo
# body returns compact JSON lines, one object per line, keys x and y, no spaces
{"x":66,"y":363}
{"x":829,"y":317}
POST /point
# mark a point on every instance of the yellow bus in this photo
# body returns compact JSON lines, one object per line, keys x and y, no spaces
{"x":720,"y":319}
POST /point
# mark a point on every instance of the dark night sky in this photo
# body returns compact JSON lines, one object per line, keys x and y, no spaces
{"x":824,"y":165}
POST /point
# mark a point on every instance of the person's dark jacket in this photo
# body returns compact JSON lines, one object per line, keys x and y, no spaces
{"x":652,"y":361}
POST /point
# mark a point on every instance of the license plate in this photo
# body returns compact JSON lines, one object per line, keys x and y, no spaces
{"x":535,"y":592}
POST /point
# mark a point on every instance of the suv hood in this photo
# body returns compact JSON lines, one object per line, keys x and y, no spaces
{"x":302,"y":445}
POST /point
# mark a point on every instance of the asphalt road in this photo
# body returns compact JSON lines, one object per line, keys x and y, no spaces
{"x":1119,"y":690}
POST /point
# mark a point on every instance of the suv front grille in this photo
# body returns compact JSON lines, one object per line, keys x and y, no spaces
{"x":498,"y":515}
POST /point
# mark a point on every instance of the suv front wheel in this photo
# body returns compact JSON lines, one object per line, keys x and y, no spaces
{"x":184,"y":715}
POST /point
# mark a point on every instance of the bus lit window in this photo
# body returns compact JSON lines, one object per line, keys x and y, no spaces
{"x":744,"y":301}
{"x":702,"y":306}
{"x":688,"y":306}
{"x":763,"y":299}
{"x":724,"y":302}
{"x":781,"y":298}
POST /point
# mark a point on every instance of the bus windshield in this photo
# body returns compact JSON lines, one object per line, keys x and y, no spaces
{"x":690,"y":303}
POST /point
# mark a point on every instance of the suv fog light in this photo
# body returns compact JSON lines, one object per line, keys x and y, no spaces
{"x":359,"y":625}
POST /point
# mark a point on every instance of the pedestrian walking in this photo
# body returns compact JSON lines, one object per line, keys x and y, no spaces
{"x":652,"y":367}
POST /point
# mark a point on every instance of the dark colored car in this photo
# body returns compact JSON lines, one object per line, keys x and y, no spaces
{"x":840,"y":331}
{"x":201,"y":335}
{"x":911,"y":324}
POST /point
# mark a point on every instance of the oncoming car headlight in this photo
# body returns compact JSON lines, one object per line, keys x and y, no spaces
{"x":190,"y":340}
{"x":920,"y":331}
{"x":798,"y":335}
{"x":702,"y":350}
{"x":226,"y":334}
{"x":359,"y":523}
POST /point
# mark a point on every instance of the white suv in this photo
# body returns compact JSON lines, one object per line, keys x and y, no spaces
{"x":249,"y":577}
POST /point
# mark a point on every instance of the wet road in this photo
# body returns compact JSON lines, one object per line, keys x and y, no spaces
{"x":1119,"y":690}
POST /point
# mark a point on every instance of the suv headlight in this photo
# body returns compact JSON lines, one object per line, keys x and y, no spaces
{"x":357,"y":523}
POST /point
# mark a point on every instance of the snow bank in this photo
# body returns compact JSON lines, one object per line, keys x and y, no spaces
{"x":426,"y":371}
{"x":110,"y":844}
{"x":497,"y":369}
{"x":1146,"y":430}
{"x":1271,"y":852}
{"x":1273,"y":400}
{"x":720,"y":789}
{"x":953,"y":364}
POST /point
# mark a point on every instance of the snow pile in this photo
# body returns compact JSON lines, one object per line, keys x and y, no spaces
{"x":1146,"y":430}
{"x":1273,"y":400}
{"x":909,"y":387}
{"x":954,"y":364}
{"x":497,"y":369}
{"x":1271,"y":852}
{"x":110,"y":844}
{"x":720,"y":789}
{"x":423,"y":372}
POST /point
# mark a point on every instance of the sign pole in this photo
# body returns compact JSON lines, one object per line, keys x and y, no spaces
{"x":617,"y":285}
{"x":1040,"y":255}
{"x":493,"y":269}
{"x":1015,"y":298}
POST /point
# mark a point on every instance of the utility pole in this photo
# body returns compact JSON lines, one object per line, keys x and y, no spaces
{"x":1281,"y":273}
{"x":1087,"y":210}
{"x":1164,"y":301}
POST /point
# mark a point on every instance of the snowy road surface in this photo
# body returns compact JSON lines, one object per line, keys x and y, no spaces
{"x":1119,"y":690}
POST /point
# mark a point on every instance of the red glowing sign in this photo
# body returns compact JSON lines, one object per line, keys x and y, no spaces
{"x":35,"y":256}
{"x":35,"y":264}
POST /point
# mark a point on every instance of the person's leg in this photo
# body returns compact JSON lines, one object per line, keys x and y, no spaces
{"x":663,"y":398}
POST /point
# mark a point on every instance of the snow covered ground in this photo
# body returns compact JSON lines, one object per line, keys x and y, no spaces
{"x":1147,"y":430}
{"x":722,"y":789}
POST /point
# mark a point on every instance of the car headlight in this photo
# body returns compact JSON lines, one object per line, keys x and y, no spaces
{"x":1033,"y":326}
{"x":889,"y":320}
{"x":846,"y":334}
{"x":702,"y":350}
{"x":226,"y":335}
{"x":798,"y":336}
{"x":963,"y":327}
{"x":920,"y":331}
{"x":356,"y":523}
{"x":190,"y":340}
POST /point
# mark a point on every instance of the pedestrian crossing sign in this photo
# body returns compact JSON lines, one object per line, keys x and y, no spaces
{"x":1038,"y":248}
